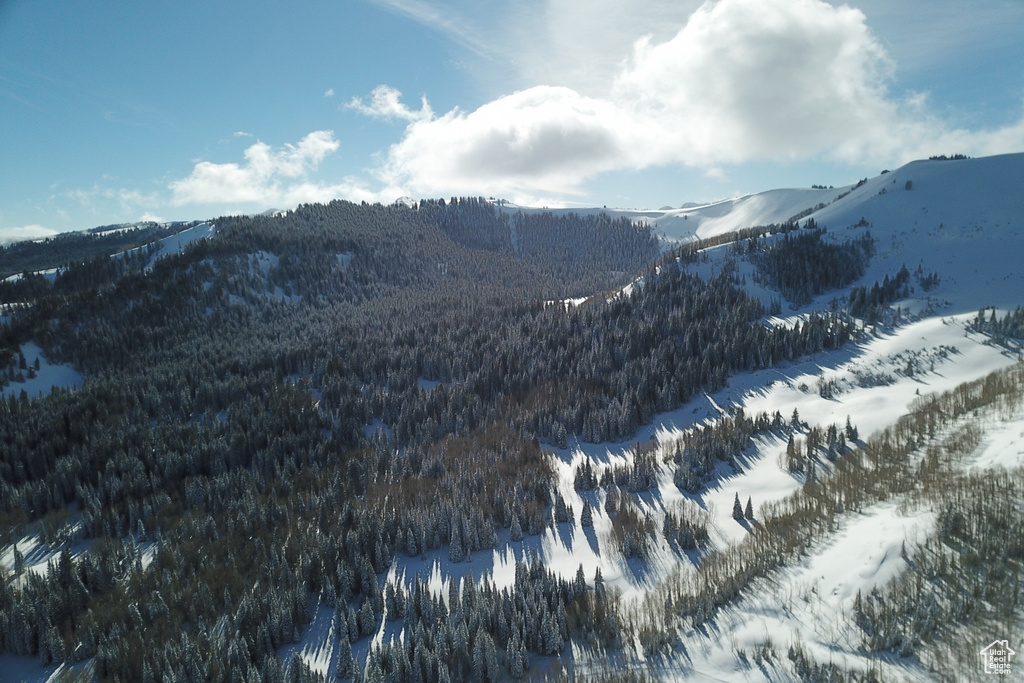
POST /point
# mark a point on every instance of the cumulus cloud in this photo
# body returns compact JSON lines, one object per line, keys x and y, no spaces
{"x":742,"y":80}
{"x":544,"y":136}
{"x":748,"y":79}
{"x":385,"y":103}
{"x":267,"y":176}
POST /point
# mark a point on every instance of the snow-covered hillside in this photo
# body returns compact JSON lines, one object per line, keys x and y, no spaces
{"x":178,"y":241}
{"x":717,"y":218}
{"x":962,"y":219}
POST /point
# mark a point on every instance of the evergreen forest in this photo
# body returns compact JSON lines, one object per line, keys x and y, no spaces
{"x":272,"y":416}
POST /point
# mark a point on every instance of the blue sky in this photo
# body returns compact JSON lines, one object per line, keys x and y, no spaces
{"x":115,"y":112}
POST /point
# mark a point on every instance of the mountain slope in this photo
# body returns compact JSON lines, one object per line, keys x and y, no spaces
{"x":359,"y":436}
{"x":962,"y":219}
{"x":717,"y":218}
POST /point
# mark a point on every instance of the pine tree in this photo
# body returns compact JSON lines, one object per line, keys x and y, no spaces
{"x":516,"y":531}
{"x":748,"y":511}
{"x":587,"y":516}
{"x":737,"y":509}
{"x":480,"y":654}
{"x":456,"y":553}
{"x":580,"y":583}
{"x":346,"y":663}
{"x":19,"y":560}
{"x":512,"y":657}
{"x":411,"y":547}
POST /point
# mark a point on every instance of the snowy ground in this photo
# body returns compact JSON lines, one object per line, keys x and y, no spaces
{"x":48,"y":376}
{"x":809,"y":602}
{"x":177,"y":242}
{"x":20,"y":669}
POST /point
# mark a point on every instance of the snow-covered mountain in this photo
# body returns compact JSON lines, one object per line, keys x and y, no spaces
{"x":959,"y":220}
{"x":962,"y":219}
{"x":717,"y":218}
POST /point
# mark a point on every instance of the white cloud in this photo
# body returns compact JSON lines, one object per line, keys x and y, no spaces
{"x":99,"y":199}
{"x":755,"y":79}
{"x":25,"y":232}
{"x":582,"y":45}
{"x":267,"y":176}
{"x":329,"y":92}
{"x":743,"y":80}
{"x":385,"y":103}
{"x":544,"y":137}
{"x":445,"y":18}
{"x":150,"y":217}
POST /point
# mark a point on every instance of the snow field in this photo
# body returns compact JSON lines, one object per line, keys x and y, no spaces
{"x":177,"y":242}
{"x":48,"y":375}
{"x":809,"y":603}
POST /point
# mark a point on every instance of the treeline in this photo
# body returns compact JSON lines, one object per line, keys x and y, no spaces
{"x":481,"y":633}
{"x":966,"y":573}
{"x":1010,"y":326}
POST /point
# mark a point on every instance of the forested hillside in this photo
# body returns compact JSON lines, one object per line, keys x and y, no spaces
{"x":227,"y":412}
{"x":56,"y":252}
{"x":275,"y":418}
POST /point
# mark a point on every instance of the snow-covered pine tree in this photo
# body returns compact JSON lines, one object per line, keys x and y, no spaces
{"x":516,"y":530}
{"x":587,"y":516}
{"x":346,"y":663}
{"x":456,"y":553}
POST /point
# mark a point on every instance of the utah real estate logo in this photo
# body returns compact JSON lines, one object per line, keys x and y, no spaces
{"x":996,"y":657}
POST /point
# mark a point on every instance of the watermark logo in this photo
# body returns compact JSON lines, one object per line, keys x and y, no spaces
{"x":996,"y":657}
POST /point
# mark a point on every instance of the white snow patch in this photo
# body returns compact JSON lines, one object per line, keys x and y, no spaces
{"x":810,"y":603}
{"x":177,"y":242}
{"x":28,"y":670}
{"x":426,"y":384}
{"x":1001,"y":446}
{"x":48,"y":376}
{"x":318,"y":643}
{"x":958,"y":357}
